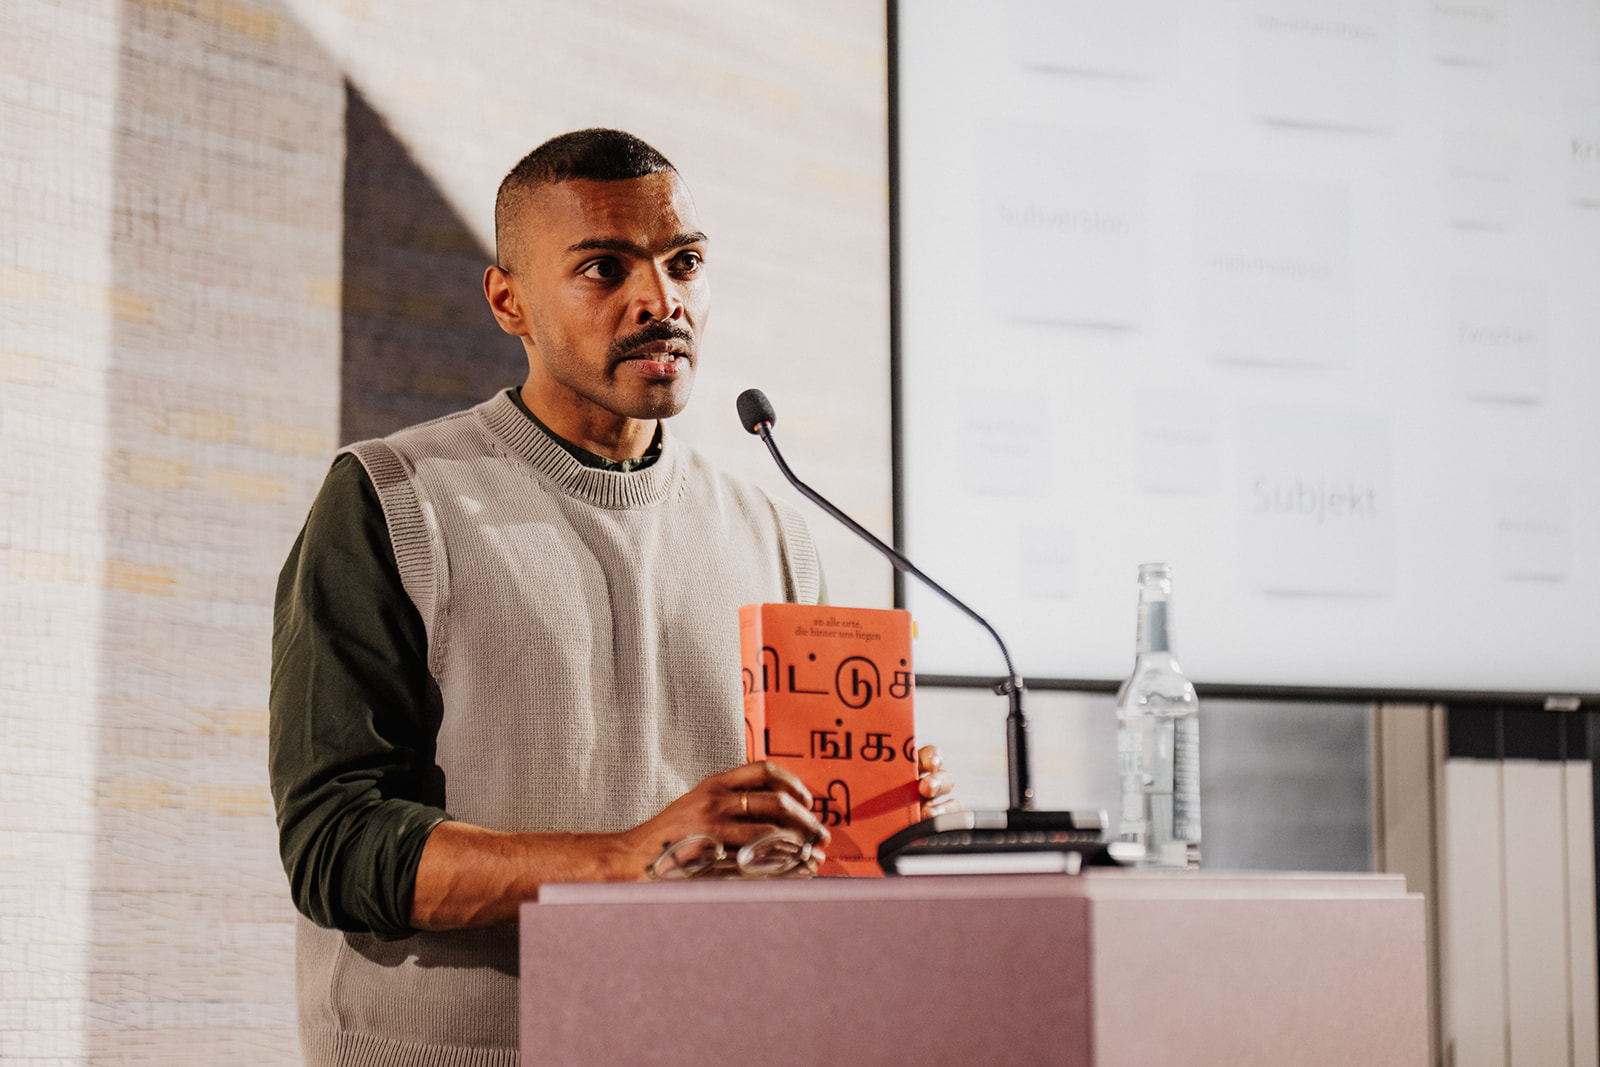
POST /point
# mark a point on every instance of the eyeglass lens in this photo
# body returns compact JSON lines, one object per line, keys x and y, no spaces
{"x":689,"y":857}
{"x":771,"y":855}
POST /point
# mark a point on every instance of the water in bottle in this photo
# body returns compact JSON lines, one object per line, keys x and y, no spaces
{"x":1158,"y":737}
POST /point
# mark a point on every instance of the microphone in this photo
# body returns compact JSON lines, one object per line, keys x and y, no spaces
{"x":758,"y":416}
{"x":755,"y":410}
{"x":1078,"y":836}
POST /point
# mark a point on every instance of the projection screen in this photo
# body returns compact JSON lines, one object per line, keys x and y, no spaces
{"x":1300,"y":297}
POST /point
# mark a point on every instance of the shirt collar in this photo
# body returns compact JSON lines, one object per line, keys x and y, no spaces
{"x":593,"y":459}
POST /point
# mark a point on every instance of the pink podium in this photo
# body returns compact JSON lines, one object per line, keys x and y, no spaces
{"x":1113,"y":969}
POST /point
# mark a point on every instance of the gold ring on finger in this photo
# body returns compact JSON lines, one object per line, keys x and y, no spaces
{"x":744,"y":802}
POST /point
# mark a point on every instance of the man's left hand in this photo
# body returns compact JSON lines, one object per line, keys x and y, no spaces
{"x":934,"y":783}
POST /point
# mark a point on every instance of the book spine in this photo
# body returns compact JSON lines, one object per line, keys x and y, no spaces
{"x":754,"y":682}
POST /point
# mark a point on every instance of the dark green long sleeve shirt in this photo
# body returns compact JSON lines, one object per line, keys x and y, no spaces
{"x":352,"y":713}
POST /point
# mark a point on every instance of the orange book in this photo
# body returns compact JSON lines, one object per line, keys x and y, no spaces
{"x":827,"y":695}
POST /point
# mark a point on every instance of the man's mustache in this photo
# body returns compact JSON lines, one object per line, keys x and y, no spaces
{"x":623,"y":347}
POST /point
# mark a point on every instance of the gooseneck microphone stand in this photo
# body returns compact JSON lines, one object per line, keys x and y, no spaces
{"x":758,"y":416}
{"x":1055,"y":831}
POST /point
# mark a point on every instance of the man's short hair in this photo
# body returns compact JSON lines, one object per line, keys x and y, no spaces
{"x":597,"y":155}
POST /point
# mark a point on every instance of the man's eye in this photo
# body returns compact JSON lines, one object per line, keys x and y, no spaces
{"x":602,"y":269}
{"x":687,"y":262}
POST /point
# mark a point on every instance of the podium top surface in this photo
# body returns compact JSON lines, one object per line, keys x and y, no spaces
{"x":1319,"y":970}
{"x":1095,"y":884}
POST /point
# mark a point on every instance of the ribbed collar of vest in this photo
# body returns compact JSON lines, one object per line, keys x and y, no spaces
{"x":602,"y":488}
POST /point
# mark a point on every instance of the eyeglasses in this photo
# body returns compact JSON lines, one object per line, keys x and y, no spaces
{"x":772,"y":855}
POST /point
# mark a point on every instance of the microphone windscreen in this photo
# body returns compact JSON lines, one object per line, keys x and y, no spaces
{"x":754,"y":409}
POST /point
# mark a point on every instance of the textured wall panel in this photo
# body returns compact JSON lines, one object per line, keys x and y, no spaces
{"x":57,"y":111}
{"x":169,"y":270}
{"x":220,"y":411}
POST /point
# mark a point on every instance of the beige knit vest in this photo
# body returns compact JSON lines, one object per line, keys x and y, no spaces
{"x":583,"y":632}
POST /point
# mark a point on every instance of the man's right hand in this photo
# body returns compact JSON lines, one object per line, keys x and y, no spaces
{"x":735,"y":807}
{"x":470,"y":876}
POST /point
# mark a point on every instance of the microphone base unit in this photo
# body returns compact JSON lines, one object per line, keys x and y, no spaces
{"x":1014,"y":841}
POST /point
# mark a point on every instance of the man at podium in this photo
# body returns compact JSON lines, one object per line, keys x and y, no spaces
{"x":505,"y":648}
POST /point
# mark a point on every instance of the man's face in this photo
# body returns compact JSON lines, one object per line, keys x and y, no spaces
{"x":611,"y":280}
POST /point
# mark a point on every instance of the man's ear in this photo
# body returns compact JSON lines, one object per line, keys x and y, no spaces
{"x":503,"y":301}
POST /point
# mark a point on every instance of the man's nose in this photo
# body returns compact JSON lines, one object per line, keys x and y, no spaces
{"x":657,"y":299}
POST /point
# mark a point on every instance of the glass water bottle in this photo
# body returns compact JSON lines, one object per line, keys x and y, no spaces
{"x":1158,"y":737}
